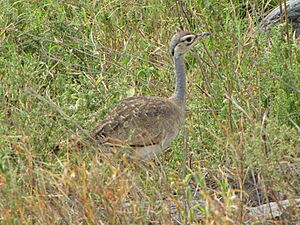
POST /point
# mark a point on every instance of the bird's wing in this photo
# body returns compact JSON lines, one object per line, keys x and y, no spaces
{"x":139,"y":122}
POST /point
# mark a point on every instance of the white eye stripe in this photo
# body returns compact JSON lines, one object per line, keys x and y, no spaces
{"x":188,"y":38}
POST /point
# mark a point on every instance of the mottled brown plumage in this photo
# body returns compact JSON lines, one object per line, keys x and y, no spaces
{"x":141,"y":122}
{"x":145,"y":126}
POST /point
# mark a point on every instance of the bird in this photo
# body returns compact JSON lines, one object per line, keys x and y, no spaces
{"x":144,"y":126}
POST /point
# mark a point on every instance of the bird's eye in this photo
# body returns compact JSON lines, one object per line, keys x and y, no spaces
{"x":189,"y":39}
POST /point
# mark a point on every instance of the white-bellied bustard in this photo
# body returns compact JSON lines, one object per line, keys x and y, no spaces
{"x":145,"y":126}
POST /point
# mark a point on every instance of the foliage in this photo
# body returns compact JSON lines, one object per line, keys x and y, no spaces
{"x":240,"y":144}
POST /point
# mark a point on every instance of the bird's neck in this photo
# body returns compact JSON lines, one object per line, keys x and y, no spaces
{"x":180,"y":88}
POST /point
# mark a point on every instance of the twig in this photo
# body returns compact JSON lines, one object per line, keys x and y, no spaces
{"x":279,"y":79}
{"x":61,"y":112}
{"x":237,"y":105}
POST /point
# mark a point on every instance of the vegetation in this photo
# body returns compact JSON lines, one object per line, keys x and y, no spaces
{"x":240,"y":145}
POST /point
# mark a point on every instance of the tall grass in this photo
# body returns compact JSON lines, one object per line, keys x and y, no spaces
{"x":240,"y":145}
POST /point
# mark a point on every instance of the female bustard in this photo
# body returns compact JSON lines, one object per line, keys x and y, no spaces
{"x":145,"y":126}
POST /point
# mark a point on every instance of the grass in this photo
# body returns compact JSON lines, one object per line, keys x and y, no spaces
{"x":240,"y":145}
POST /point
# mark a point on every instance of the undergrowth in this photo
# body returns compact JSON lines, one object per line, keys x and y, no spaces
{"x":240,"y":145}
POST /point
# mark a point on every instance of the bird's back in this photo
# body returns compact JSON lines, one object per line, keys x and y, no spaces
{"x":140,"y":123}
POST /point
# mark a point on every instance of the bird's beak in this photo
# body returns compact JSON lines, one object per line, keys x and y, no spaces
{"x":202,"y":35}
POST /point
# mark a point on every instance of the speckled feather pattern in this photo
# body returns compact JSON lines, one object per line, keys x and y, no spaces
{"x":139,"y":122}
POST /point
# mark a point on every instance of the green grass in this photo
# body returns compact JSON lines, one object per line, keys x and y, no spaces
{"x":240,"y":145}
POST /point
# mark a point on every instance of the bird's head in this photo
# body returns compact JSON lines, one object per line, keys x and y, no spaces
{"x":184,"y":41}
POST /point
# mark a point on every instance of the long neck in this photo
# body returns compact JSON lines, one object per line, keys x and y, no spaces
{"x":180,"y":89}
